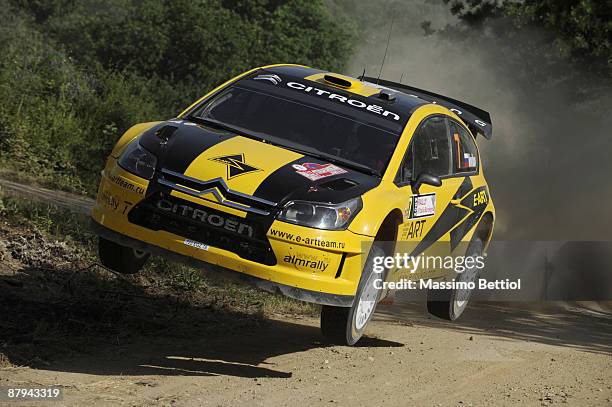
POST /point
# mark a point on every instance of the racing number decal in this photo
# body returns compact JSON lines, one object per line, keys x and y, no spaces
{"x":126,"y":205}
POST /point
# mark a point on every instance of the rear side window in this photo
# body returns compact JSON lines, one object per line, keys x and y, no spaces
{"x":465,"y":153}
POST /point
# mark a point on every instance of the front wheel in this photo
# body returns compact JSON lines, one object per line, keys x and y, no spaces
{"x":346,"y":325}
{"x":122,"y":259}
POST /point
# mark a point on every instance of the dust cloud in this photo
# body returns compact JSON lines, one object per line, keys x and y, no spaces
{"x":548,"y":164}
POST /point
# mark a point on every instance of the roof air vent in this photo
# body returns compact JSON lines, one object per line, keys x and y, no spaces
{"x":337,"y":81}
{"x":386,"y":94}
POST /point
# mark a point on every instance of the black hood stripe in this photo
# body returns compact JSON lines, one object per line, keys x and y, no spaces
{"x":286,"y":184}
{"x":184,"y":145}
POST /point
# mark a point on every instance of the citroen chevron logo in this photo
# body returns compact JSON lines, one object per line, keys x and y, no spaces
{"x":275,"y":79}
{"x":235,"y":165}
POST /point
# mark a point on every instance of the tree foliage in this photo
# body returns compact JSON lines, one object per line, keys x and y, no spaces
{"x":582,"y":28}
{"x":74,"y":74}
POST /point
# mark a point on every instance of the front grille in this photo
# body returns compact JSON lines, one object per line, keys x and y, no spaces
{"x":245,"y":237}
{"x":217,"y":187}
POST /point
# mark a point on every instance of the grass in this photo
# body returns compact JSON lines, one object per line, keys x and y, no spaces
{"x":50,"y":221}
{"x":70,"y":228}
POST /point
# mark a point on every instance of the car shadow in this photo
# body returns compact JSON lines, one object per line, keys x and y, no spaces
{"x":552,"y":323}
{"x":87,"y":322}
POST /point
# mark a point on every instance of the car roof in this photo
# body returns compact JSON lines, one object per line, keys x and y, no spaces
{"x":403,"y":102}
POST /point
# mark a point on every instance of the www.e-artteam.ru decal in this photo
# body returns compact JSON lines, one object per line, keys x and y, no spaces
{"x":314,"y":171}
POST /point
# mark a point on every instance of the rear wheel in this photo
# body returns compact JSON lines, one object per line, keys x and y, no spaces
{"x":450,"y":304}
{"x":346,"y":325}
{"x":122,"y":259}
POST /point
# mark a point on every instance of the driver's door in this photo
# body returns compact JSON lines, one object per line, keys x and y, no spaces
{"x":429,"y":214}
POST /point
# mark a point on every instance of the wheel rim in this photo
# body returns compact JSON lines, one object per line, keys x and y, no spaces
{"x":463,"y":295}
{"x":367,"y":303}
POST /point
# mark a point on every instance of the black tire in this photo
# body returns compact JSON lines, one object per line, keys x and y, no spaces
{"x":341,"y":324}
{"x":122,"y":259}
{"x":445,"y":304}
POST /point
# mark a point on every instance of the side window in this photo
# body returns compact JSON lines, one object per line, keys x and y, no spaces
{"x":465,"y":153}
{"x":429,"y":151}
{"x":404,"y":175}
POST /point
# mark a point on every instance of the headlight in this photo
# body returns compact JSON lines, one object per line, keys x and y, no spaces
{"x":321,"y":215}
{"x":137,"y":160}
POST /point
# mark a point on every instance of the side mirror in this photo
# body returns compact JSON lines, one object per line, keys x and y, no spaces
{"x":427,"y":179}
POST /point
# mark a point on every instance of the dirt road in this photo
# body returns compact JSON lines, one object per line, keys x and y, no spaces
{"x":496,"y":356}
{"x":76,"y":203}
{"x":188,"y":355}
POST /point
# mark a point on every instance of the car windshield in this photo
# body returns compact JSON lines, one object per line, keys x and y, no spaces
{"x":345,"y":127}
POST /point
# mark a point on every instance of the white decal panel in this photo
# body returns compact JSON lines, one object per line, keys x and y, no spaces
{"x":314,"y":171}
{"x":421,"y":206}
{"x":195,"y":244}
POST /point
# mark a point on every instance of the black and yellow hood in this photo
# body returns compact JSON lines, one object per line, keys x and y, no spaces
{"x":247,"y":166}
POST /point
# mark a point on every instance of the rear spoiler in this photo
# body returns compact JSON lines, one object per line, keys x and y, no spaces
{"x":477,"y":119}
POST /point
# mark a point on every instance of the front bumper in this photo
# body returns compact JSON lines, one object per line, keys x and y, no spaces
{"x":322,"y":267}
{"x":270,"y":286}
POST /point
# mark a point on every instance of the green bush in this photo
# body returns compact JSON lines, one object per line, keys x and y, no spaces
{"x":75,"y":74}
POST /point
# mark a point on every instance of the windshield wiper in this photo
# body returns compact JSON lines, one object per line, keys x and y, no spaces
{"x":299,"y":148}
{"x":234,"y":129}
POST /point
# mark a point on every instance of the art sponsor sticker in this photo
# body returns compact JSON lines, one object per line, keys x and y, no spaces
{"x":195,"y":244}
{"x":314,"y":171}
{"x":421,"y":206}
{"x":414,"y":229}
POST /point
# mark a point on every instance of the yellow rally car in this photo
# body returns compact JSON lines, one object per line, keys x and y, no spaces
{"x":299,"y":180}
